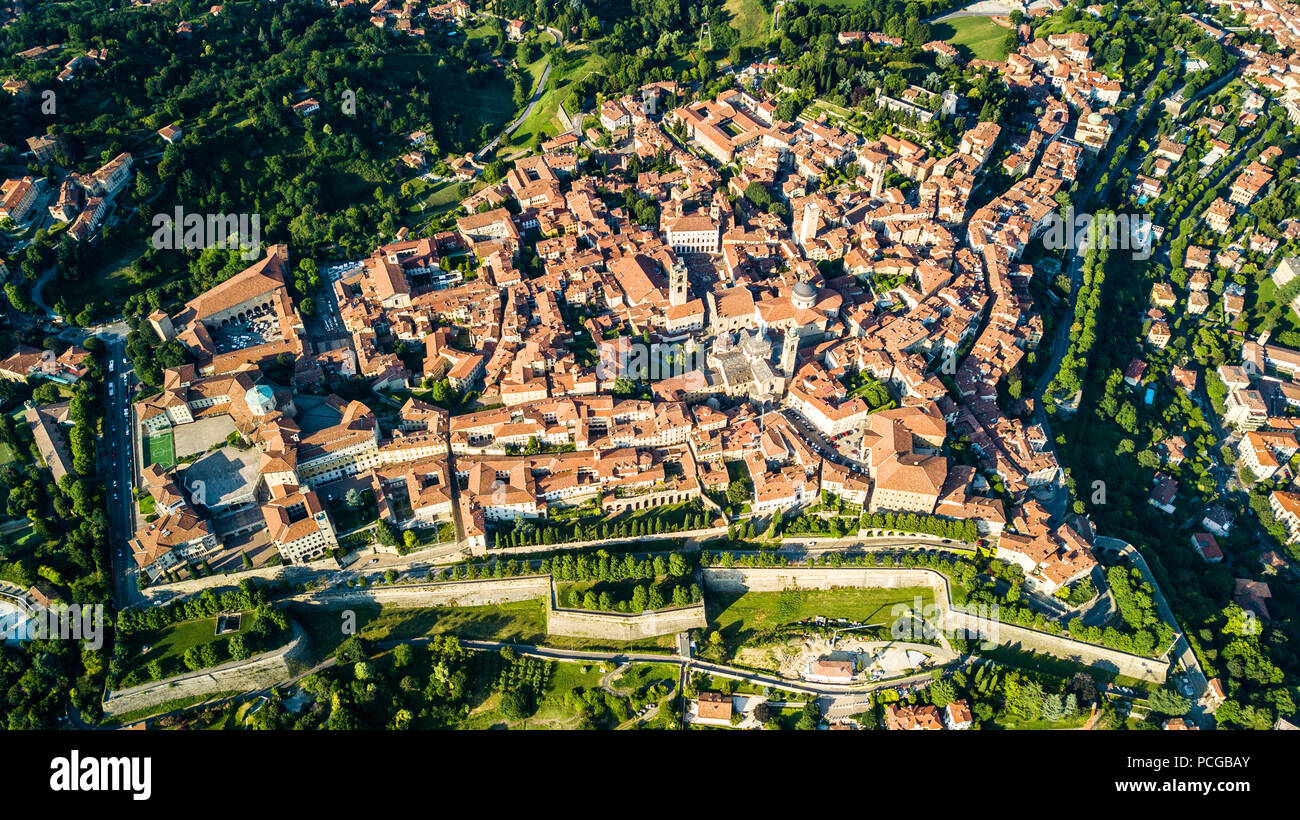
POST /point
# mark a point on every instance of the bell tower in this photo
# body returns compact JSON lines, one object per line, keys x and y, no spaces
{"x":789,"y":349}
{"x":678,"y":286}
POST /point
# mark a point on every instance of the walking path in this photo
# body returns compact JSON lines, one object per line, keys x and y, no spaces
{"x":538,"y":89}
{"x":983,"y":8}
{"x":523,"y":115}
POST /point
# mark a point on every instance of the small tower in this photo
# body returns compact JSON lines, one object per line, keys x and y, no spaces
{"x":162,"y":325}
{"x":678,"y":285}
{"x":949,"y":106}
{"x":808,"y":230}
{"x":716,"y":206}
{"x":789,"y":349}
{"x":874,"y":164}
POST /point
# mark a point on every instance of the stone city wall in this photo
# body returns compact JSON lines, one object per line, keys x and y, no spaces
{"x":257,"y":672}
{"x":775,"y":579}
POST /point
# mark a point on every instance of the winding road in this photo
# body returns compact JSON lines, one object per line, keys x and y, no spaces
{"x":538,"y":90}
{"x":1181,"y":651}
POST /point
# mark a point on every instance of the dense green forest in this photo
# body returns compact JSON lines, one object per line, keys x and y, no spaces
{"x":323,"y":181}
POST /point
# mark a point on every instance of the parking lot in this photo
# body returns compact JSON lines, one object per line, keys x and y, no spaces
{"x":246,"y":333}
{"x":329,"y":309}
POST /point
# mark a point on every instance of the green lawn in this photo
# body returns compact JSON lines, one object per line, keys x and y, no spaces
{"x":521,"y":622}
{"x":7,"y":455}
{"x":663,"y":644}
{"x":739,"y":617}
{"x":168,"y":645}
{"x":729,"y":685}
{"x":544,"y":120}
{"x":518,"y":622}
{"x":432,"y":199}
{"x":643,"y":675}
{"x":551,"y":713}
{"x":160,"y":450}
{"x":750,"y":19}
{"x":979,"y":36}
{"x":19,"y":542}
{"x":1073,"y":722}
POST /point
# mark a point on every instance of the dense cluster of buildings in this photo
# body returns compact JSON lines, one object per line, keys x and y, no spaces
{"x":762,"y":356}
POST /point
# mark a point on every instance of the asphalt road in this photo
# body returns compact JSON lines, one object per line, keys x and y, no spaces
{"x":1182,"y":651}
{"x":117,"y":450}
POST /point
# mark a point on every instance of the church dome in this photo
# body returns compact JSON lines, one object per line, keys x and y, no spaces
{"x":803,"y":295}
{"x":260,"y":399}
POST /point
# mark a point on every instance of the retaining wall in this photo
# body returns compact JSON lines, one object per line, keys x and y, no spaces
{"x":479,"y":592}
{"x":287,"y":572}
{"x":775,"y":579}
{"x":257,"y":672}
{"x":612,"y":626}
{"x":617,"y":626}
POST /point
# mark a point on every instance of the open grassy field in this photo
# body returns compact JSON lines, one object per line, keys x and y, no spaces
{"x":750,"y":19}
{"x":168,"y":645}
{"x":18,"y":542}
{"x":552,"y":713}
{"x":1073,"y":722}
{"x":543,"y":120}
{"x":519,"y":622}
{"x":431,"y":199}
{"x":980,"y":37}
{"x":1266,"y":297}
{"x":523,"y":622}
{"x":663,"y":644}
{"x":643,"y":675}
{"x":738,"y":617}
{"x":755,"y":22}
